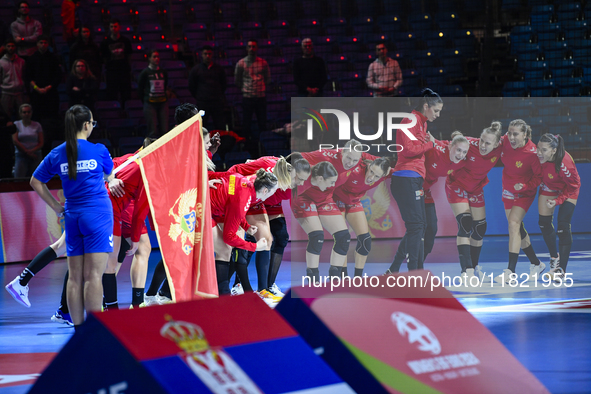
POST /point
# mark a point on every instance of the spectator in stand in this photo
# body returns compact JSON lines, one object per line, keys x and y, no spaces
{"x":384,"y":75}
{"x":207,"y":84}
{"x":3,"y":37}
{"x":152,"y":83}
{"x":68,"y":15}
{"x":28,"y":142}
{"x":11,"y":75}
{"x":81,"y":85}
{"x":7,"y":128}
{"x":309,"y":71}
{"x":25,"y":31}
{"x":252,"y":76}
{"x":43,"y":73}
{"x":116,"y":52}
{"x":86,"y":49}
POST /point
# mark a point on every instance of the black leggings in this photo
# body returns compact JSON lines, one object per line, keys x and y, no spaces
{"x":410,"y":197}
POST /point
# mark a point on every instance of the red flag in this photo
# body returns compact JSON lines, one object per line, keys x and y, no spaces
{"x":175,"y":177}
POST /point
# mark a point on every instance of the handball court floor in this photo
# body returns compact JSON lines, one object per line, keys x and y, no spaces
{"x":546,"y":329}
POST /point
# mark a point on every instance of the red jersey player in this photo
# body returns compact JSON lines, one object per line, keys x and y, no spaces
{"x":560,"y":186}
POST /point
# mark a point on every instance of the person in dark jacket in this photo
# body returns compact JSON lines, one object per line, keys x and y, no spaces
{"x":309,"y":71}
{"x":81,"y":85}
{"x":152,"y":83}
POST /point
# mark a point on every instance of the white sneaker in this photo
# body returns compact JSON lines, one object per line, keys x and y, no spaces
{"x":557,"y":276}
{"x":536,"y":270}
{"x":554,"y":264}
{"x":469,"y":275}
{"x":505,"y":277}
{"x":150,"y":300}
{"x":479,"y":272}
{"x":162,"y":300}
{"x":266,"y":296}
{"x":18,"y":292}
{"x":276,"y":290}
{"x":237,"y":289}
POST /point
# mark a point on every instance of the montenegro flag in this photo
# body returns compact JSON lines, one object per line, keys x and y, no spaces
{"x":175,"y":177}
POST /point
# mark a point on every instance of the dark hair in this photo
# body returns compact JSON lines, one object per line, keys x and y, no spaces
{"x":185,"y":111}
{"x":76,"y":116}
{"x":10,"y":41}
{"x":428,"y":97}
{"x":88,"y":74}
{"x":252,"y":40}
{"x":264,"y":179}
{"x":18,"y":5}
{"x":207,"y":48}
{"x":298,"y":162}
{"x":555,"y":142}
{"x":494,"y":128}
{"x":324,"y":169}
{"x":115,"y":20}
{"x":43,"y":37}
{"x":522,"y":126}
{"x":148,"y":141}
{"x":383,"y":162}
{"x":150,"y":52}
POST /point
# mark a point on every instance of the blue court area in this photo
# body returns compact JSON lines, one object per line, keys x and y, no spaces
{"x":546,"y":328}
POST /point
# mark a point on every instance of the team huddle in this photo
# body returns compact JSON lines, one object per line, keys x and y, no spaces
{"x":106,"y":207}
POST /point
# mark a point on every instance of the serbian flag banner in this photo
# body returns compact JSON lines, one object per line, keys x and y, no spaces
{"x":174,"y":171}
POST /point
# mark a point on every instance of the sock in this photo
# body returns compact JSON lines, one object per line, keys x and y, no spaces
{"x":398,"y":259}
{"x":564,"y":255}
{"x":64,"y":301}
{"x":344,"y":271}
{"x":242,"y":258}
{"x":137,"y":296}
{"x":222,"y":268}
{"x":274,"y":266}
{"x":242,"y":274}
{"x":110,"y":291}
{"x":165,"y":290}
{"x":465,"y":259}
{"x":513,"y":261}
{"x":475,"y":254}
{"x":158,"y":277}
{"x":262,"y":259}
{"x":358,"y":271}
{"x":40,"y":261}
{"x":333,"y":270}
{"x":531,"y":255}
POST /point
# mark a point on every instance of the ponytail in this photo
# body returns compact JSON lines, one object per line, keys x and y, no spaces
{"x":523,"y":127}
{"x":264,"y":179}
{"x":555,"y":142}
{"x":494,"y":128}
{"x":457,"y":138}
{"x":76,"y":116}
{"x":428,"y":97}
{"x":282,"y":171}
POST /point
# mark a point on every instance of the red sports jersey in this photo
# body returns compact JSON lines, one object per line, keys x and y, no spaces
{"x":229,"y":204}
{"x":355,"y":187}
{"x":133,"y":185}
{"x":412,"y":156}
{"x":438,"y":164}
{"x":521,"y":166}
{"x":335,"y":158}
{"x":251,"y":167}
{"x":473,"y":176}
{"x":566,"y":182}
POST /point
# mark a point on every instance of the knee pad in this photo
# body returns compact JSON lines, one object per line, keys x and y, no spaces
{"x":464,"y":224}
{"x":315,"y":241}
{"x":545,"y":223}
{"x":342,"y":239}
{"x":523,"y":231}
{"x":280,"y":238}
{"x":478,"y":229}
{"x":363,"y":244}
{"x":564,"y":234}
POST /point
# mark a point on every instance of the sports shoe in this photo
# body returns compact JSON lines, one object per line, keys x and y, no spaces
{"x":557,"y":276}
{"x":536,"y":270}
{"x":275,"y":290}
{"x":150,"y":300}
{"x":267,"y":297}
{"x":237,"y":289}
{"x":62,"y":318}
{"x":505,"y":277}
{"x":18,"y":292}
{"x":466,"y":276}
{"x":162,"y":300}
{"x":388,"y":272}
{"x":479,"y":272}
{"x":554,"y":264}
{"x":142,"y":305}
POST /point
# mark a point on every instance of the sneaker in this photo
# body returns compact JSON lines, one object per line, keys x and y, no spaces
{"x":557,"y":276}
{"x":388,"y":272}
{"x":504,"y":277}
{"x":267,"y":297}
{"x":142,"y":305}
{"x":18,"y":292}
{"x":237,"y":289}
{"x":468,"y":275}
{"x":162,"y":300}
{"x":62,"y":318}
{"x":150,"y":300}
{"x":554,"y":264}
{"x":275,"y":290}
{"x":479,"y":272}
{"x":268,"y":294}
{"x":536,"y":270}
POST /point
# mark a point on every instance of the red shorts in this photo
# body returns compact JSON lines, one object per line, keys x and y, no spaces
{"x":273,"y":210}
{"x":117,"y":221}
{"x":350,"y":206}
{"x":522,"y":200}
{"x":256,"y":209}
{"x":456,"y":195}
{"x":304,"y":208}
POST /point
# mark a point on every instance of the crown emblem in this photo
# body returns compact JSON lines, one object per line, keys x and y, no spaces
{"x":187,"y":336}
